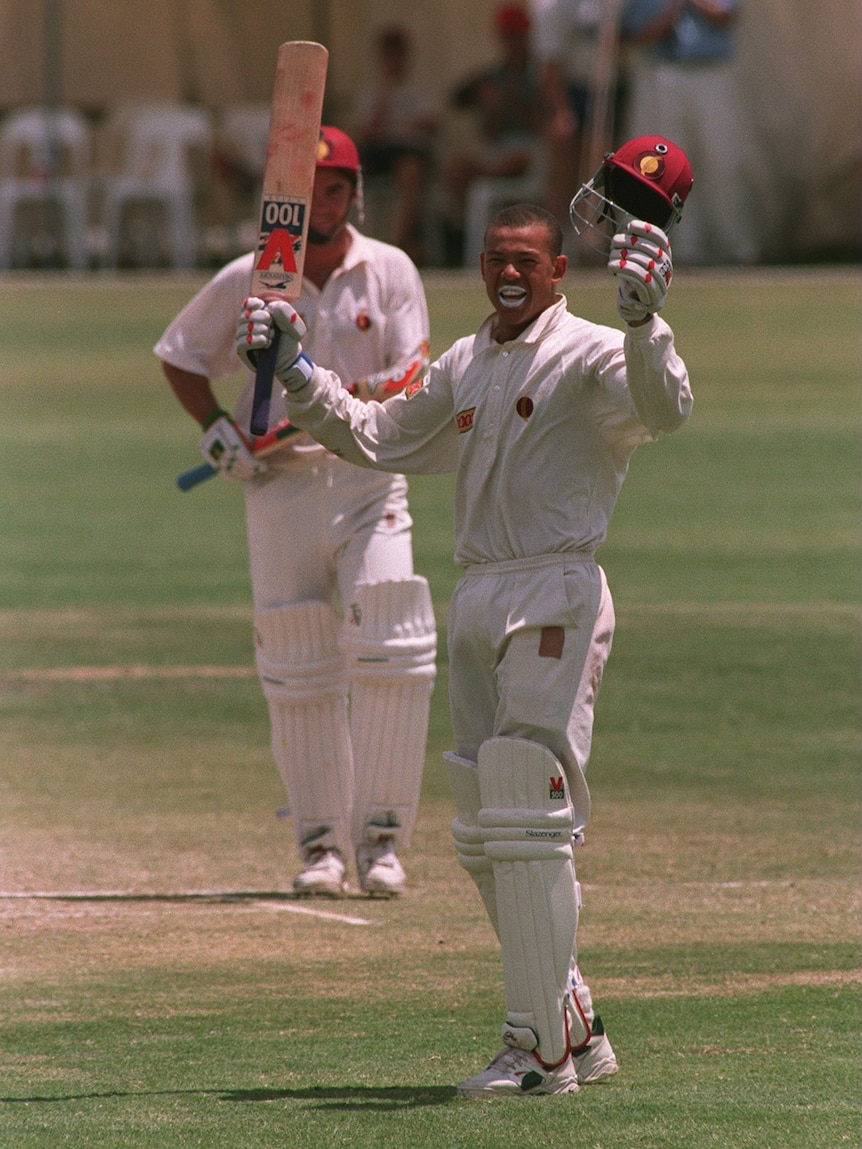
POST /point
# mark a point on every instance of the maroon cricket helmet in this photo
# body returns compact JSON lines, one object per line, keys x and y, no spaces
{"x":646,"y":178}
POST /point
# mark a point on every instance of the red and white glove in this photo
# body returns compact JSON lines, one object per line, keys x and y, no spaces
{"x":227,"y":450}
{"x":640,"y":261}
{"x":258,"y":324}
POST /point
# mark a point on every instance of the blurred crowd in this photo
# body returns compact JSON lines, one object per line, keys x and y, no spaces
{"x":567,"y":81}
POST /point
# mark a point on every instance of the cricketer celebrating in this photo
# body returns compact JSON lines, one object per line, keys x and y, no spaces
{"x":348,"y":693}
{"x":538,"y":414}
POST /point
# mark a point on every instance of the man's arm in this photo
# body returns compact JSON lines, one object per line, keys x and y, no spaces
{"x":223,"y":445}
{"x":412,"y":431}
{"x":193,"y":391}
{"x":657,"y":377}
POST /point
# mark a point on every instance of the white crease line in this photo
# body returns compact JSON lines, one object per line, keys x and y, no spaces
{"x":237,"y":897}
{"x":290,"y":908}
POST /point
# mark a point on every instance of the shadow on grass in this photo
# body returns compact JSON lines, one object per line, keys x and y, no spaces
{"x":353,"y":1097}
{"x":357,"y":1097}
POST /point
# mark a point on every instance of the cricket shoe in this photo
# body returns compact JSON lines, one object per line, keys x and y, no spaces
{"x":323,"y":875}
{"x":380,"y":872}
{"x":595,"y":1061}
{"x":517,"y":1073}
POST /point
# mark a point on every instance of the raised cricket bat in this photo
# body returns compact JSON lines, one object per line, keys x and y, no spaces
{"x":288,"y":183}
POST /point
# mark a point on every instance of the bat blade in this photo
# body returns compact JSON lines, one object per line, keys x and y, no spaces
{"x":288,"y":183}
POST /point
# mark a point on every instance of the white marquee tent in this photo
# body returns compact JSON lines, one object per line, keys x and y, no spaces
{"x":798,"y":73}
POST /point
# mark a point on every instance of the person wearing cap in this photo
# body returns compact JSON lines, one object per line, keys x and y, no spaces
{"x":537,"y":414}
{"x":345,"y":636}
{"x":503,"y":99}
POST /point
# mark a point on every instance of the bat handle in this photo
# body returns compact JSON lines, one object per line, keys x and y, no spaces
{"x":189,"y":479}
{"x":263,"y":386}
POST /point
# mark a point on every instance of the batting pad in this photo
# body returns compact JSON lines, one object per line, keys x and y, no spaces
{"x":469,"y":837}
{"x":301,"y":669}
{"x":527,"y":821}
{"x":390,"y":644}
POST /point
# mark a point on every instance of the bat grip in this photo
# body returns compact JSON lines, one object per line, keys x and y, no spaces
{"x":263,"y":386}
{"x":189,"y":479}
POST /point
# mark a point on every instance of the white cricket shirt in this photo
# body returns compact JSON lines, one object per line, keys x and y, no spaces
{"x":540,"y":430}
{"x":371,"y":314}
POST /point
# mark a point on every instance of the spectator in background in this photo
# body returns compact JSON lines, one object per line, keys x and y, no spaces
{"x":395,"y":123}
{"x":683,"y":86}
{"x":563,"y":45}
{"x":504,"y":102}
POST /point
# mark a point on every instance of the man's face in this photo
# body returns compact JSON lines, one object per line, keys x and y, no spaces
{"x":520,"y":275}
{"x":330,"y":204}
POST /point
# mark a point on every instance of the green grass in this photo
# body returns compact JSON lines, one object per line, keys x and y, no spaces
{"x":189,"y":1005}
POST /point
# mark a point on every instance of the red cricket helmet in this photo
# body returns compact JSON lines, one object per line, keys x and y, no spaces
{"x":647,"y":178}
{"x":335,"y":149}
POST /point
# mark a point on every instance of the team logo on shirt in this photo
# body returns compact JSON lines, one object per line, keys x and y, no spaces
{"x":363,"y":321}
{"x":464,"y":420}
{"x":524,"y":407}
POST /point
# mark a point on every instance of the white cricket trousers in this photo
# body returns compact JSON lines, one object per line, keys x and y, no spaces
{"x":315,"y":531}
{"x":528,"y":643}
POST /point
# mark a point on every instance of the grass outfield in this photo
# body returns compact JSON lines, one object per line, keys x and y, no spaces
{"x":159,"y":988}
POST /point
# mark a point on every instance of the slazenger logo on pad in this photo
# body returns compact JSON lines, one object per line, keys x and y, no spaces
{"x":557,"y":789}
{"x":464,"y":420}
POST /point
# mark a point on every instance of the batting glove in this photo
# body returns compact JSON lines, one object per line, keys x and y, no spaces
{"x":226,"y":449}
{"x":641,"y":263}
{"x":255,"y":332}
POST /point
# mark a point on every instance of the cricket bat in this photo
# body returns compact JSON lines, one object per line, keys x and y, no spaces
{"x":261,"y":445}
{"x":288,"y":183}
{"x":402,"y":377}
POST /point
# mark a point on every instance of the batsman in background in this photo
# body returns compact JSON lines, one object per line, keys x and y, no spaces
{"x":537,"y":414}
{"x":348,"y":687}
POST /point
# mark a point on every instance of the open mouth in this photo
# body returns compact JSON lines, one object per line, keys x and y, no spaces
{"x":511,"y":296}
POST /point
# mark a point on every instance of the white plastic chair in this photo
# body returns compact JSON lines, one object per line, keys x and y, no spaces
{"x":161,"y":149}
{"x":489,"y":194}
{"x":45,"y":159}
{"x":242,"y":135}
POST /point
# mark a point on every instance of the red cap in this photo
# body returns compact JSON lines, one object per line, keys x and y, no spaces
{"x":657,"y":164}
{"x":335,"y":149}
{"x":511,"y":18}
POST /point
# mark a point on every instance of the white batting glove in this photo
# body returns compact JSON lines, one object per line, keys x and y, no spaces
{"x":226,"y":449}
{"x":640,"y":261}
{"x":255,"y":332}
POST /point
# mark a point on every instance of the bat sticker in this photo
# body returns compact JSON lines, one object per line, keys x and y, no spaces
{"x":282,"y":220}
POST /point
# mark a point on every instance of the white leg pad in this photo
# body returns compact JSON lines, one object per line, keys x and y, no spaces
{"x":527,"y":820}
{"x":580,"y":1006}
{"x":468,"y":834}
{"x":390,"y":645}
{"x":302,"y":672}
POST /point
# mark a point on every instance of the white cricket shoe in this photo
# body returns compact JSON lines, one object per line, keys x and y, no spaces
{"x":596,"y":1060}
{"x":323,"y":875}
{"x":379,"y":870}
{"x":517,"y":1073}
